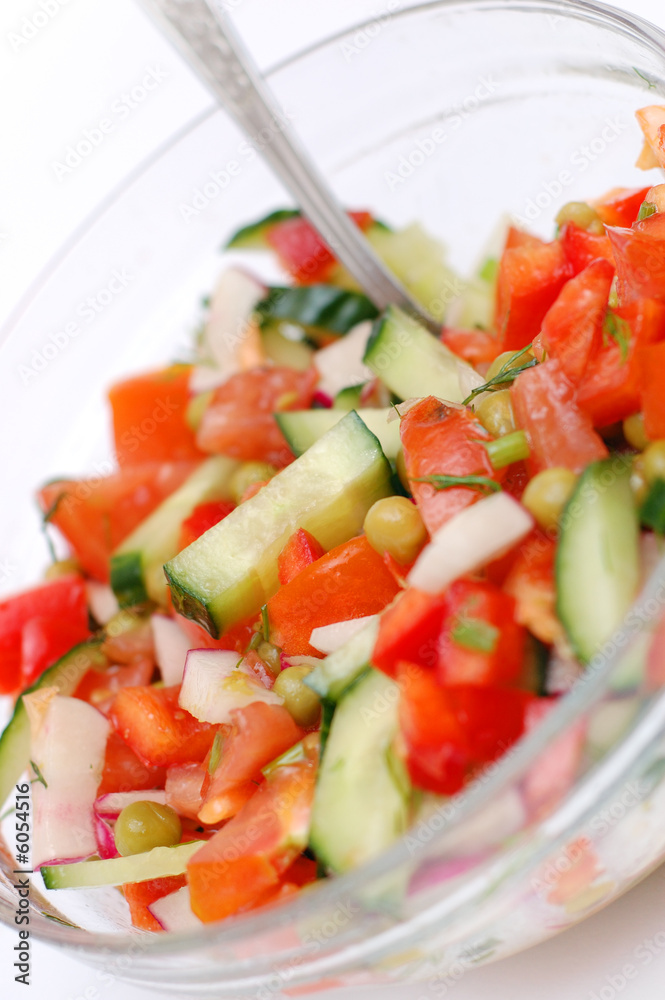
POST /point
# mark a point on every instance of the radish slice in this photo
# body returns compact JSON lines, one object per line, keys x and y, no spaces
{"x":102,"y":601}
{"x":171,"y":648}
{"x":105,"y":840}
{"x":328,"y":638}
{"x":341,"y":364}
{"x":231,"y":308}
{"x":69,"y":752}
{"x":214,"y":684}
{"x":111,"y":805}
{"x":472,"y":538}
{"x":174,"y":912}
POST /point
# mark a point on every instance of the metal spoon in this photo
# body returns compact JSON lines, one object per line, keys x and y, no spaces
{"x":213,"y":49}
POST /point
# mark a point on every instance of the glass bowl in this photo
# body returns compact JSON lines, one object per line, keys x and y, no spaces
{"x":452,"y":114}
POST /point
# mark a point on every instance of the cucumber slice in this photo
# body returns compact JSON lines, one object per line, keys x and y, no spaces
{"x":597,"y":562}
{"x":136,"y":567}
{"x":417,"y":259}
{"x":348,"y":398}
{"x":284,"y":350}
{"x":361,"y":802}
{"x":334,"y":675}
{"x":158,"y":863}
{"x":302,"y":428}
{"x":253,"y":236}
{"x":316,"y":307}
{"x":231,"y":571}
{"x":15,"y":740}
{"x":410,"y":361}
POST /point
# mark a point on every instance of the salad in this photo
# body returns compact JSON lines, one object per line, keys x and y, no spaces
{"x":343,"y":565}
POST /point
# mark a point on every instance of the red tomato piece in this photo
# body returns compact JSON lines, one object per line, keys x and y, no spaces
{"x":156,"y":728}
{"x":149,"y":423}
{"x":350,"y":581}
{"x":531,"y":583}
{"x":43,"y":642}
{"x":640,"y":258}
{"x":646,"y":319}
{"x":300,"y":550}
{"x":240,"y":422}
{"x":620,"y":206}
{"x":652,"y":360}
{"x":519,"y":238}
{"x":135,"y":644}
{"x":96,"y":515}
{"x":202,"y":518}
{"x":610,"y":387}
{"x":582,"y":247}
{"x":475,"y":346}
{"x":530,"y":278}
{"x":492,"y":718}
{"x":558,"y":432}
{"x":183,"y":789}
{"x":439,"y":440}
{"x":259,"y":734}
{"x":237,"y":638}
{"x":572,"y":329}
{"x":124,"y":772}
{"x":140,"y":895}
{"x":409,"y":631}
{"x":302,"y":252}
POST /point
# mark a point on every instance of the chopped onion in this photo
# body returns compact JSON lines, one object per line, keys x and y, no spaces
{"x":110,"y":806}
{"x":215,"y":683}
{"x":328,"y":638}
{"x":102,"y":601}
{"x":341,"y":364}
{"x":469,"y":540}
{"x":231,"y":308}
{"x":174,"y":912}
{"x":171,"y":648}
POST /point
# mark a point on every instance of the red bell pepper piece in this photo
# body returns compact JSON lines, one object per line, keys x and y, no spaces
{"x":302,"y":252}
{"x":572,"y":328}
{"x":492,"y":718}
{"x":149,"y":418}
{"x":646,"y":319}
{"x":160,"y":732}
{"x":140,"y":895}
{"x":350,"y":581}
{"x":558,"y":432}
{"x":300,"y":550}
{"x":640,"y":258}
{"x":124,"y":772}
{"x":530,"y":278}
{"x":475,"y":346}
{"x":652,"y":362}
{"x":409,"y":631}
{"x":202,"y":518}
{"x":582,"y":247}
{"x":621,"y":206}
{"x":438,"y":440}
{"x":99,"y":687}
{"x":610,"y":387}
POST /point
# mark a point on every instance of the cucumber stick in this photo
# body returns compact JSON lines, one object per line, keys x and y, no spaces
{"x":597,"y":562}
{"x":361,"y":802}
{"x":137,"y":565}
{"x":410,"y":361}
{"x":302,"y":428}
{"x":230,"y":572}
{"x":316,"y":307}
{"x":15,"y":740}
{"x":158,"y":863}
{"x":418,"y":260}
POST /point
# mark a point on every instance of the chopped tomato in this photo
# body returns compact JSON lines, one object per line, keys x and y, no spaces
{"x":300,"y":550}
{"x":620,"y":206}
{"x":409,"y":631}
{"x":236,"y":638}
{"x":646,"y":319}
{"x":259,"y":734}
{"x":572,"y":328}
{"x":519,"y":238}
{"x":530,"y":278}
{"x":475,"y":346}
{"x":43,"y":642}
{"x":531,"y":583}
{"x":99,"y":687}
{"x":558,"y":431}
{"x":250,"y":854}
{"x":134,"y":643}
{"x":302,"y":252}
{"x":610,"y":387}
{"x":95,"y":515}
{"x":202,"y":518}
{"x":439,"y":440}
{"x":124,"y":772}
{"x":149,"y":423}
{"x":350,"y":581}
{"x":652,"y":360}
{"x":640,"y":258}
{"x":240,"y":422}
{"x":582,"y":247}
{"x":183,"y":789}
{"x":140,"y":895}
{"x":156,"y":728}
{"x":493,"y":719}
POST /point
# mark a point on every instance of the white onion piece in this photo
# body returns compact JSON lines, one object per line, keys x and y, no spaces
{"x":214,"y":684}
{"x":69,"y":750}
{"x":110,"y":806}
{"x":231,"y":308}
{"x":171,"y":647}
{"x":101,"y":601}
{"x":328,"y":638}
{"x":472,"y":538}
{"x":174,"y":912}
{"x":341,"y":364}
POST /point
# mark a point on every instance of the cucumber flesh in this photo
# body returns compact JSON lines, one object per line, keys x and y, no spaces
{"x":598,"y":561}
{"x":361,"y":802}
{"x":334,"y":675}
{"x":158,"y":863}
{"x":294,"y":353}
{"x":418,"y":260}
{"x":229,"y":573}
{"x":253,"y":236}
{"x":136,"y":566}
{"x":302,"y":428}
{"x":15,"y":740}
{"x":412,"y":362}
{"x":316,"y":307}
{"x":348,"y":398}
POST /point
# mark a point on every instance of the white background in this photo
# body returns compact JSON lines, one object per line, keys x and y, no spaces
{"x":59,"y":82}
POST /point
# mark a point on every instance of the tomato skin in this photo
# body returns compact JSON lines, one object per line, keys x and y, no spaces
{"x":236,"y":638}
{"x":149,"y":422}
{"x":582,"y":247}
{"x":621,"y":206}
{"x":159,"y":732}
{"x":530,"y":278}
{"x":475,"y":346}
{"x":140,"y":895}
{"x":302,"y":252}
{"x":99,"y":687}
{"x":609,"y":390}
{"x":530,"y":582}
{"x":646,"y":319}
{"x":202,"y":518}
{"x":441,"y":440}
{"x":240,"y":422}
{"x":350,"y":581}
{"x":520,"y":238}
{"x":409,"y":631}
{"x":124,"y":772}
{"x":652,"y":359}
{"x":572,"y":328}
{"x":640,"y":258}
{"x":558,"y":432}
{"x":96,"y":515}
{"x":300,"y":551}
{"x":183,"y":789}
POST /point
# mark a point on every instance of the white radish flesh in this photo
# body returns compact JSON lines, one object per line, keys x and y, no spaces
{"x":328,"y":638}
{"x":214,"y":684}
{"x":171,"y":648}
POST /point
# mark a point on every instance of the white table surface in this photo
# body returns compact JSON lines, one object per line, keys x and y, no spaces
{"x":60,"y":78}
